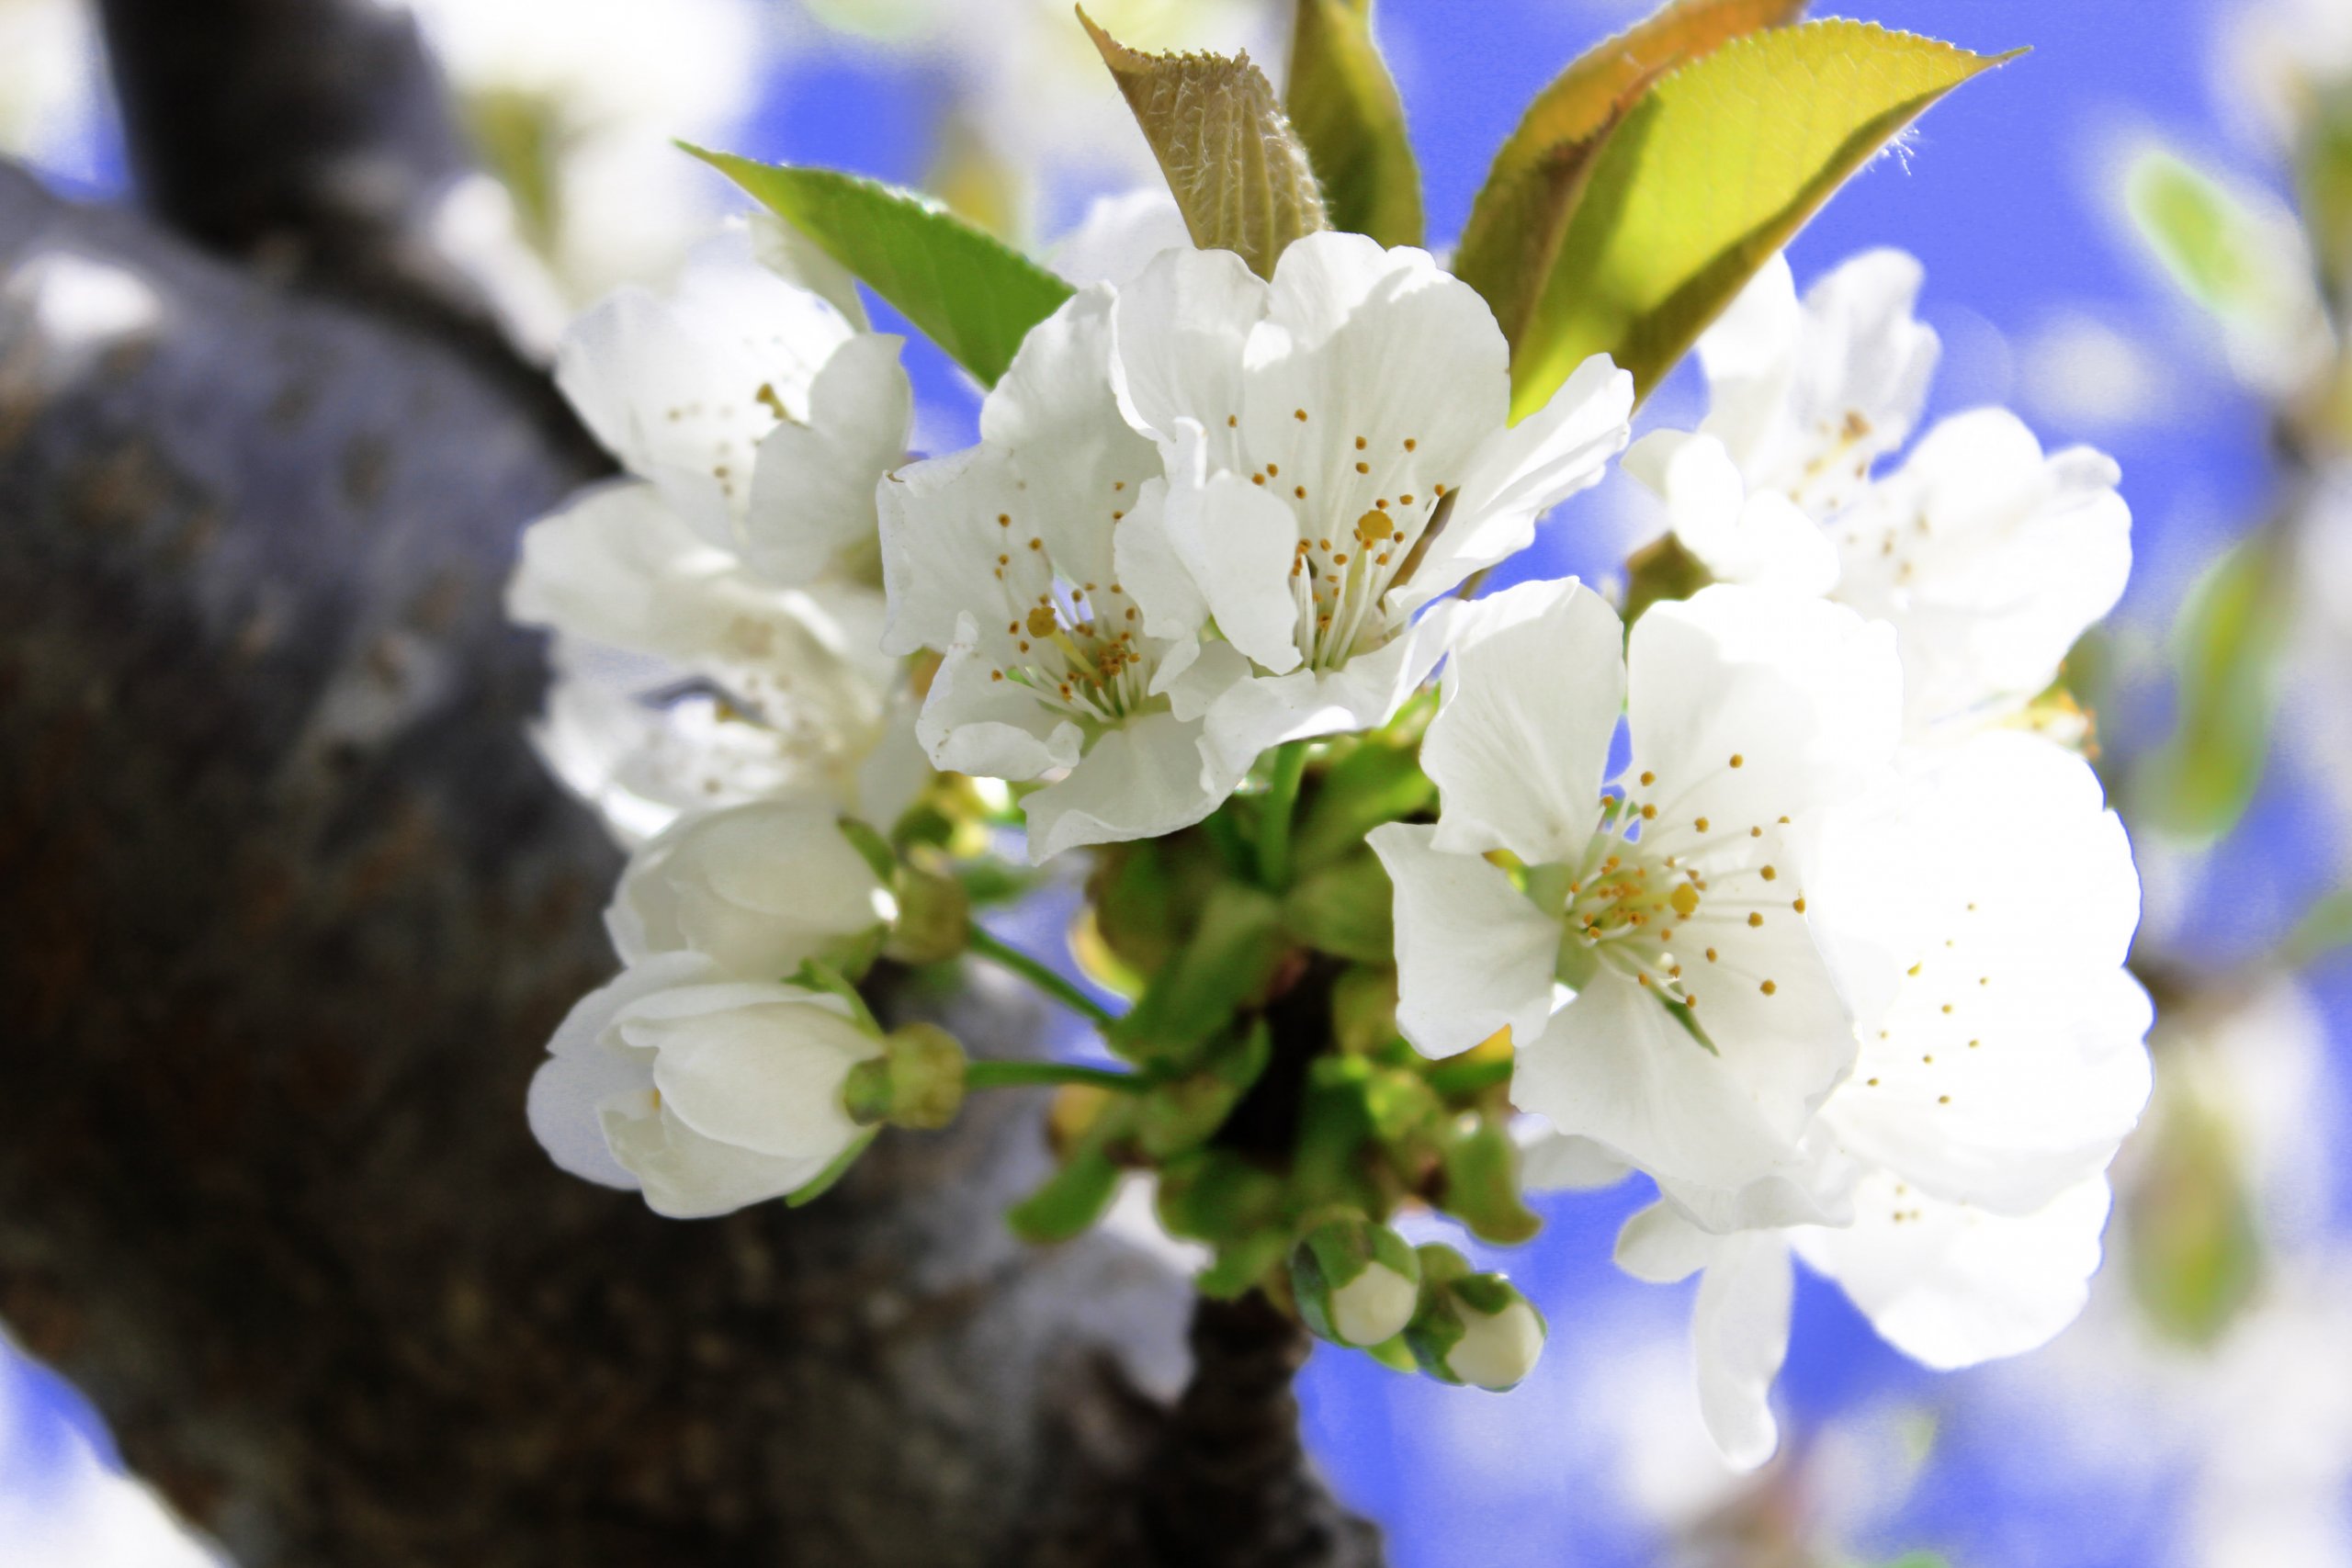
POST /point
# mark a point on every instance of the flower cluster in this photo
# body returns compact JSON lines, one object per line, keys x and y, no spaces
{"x":1795,"y":896}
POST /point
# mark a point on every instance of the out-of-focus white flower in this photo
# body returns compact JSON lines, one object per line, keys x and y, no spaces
{"x":1988,"y":557}
{"x":706,"y":1093}
{"x":1339,"y":455}
{"x":1978,"y":911}
{"x":1002,"y":558}
{"x":759,"y":888}
{"x":49,"y":82}
{"x":576,"y":106}
{"x":719,"y":624}
{"x":1119,"y":237}
{"x":1706,"y":1026}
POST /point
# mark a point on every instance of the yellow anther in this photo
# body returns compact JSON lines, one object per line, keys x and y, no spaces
{"x":1685,"y":900}
{"x":1041,"y":623}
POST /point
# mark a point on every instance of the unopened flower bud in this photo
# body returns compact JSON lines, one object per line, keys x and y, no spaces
{"x":934,"y":915}
{"x":1473,"y":1328}
{"x":1357,"y":1284}
{"x":918,"y":1081}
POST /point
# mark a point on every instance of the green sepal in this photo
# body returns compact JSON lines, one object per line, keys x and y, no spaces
{"x":817,"y":976}
{"x":1378,"y":779}
{"x":1072,"y":1199}
{"x":822,"y":1182}
{"x":1346,"y":909}
{"x":1183,"y":1113}
{"x":1226,"y":964}
{"x":934,"y":915}
{"x":969,"y":293}
{"x":1482,"y":1186}
{"x":1394,"y":1354}
{"x":872,"y":848}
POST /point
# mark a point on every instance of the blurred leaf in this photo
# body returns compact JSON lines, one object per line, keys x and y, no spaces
{"x":1237,"y":170}
{"x":1345,"y":910}
{"x":1712,"y":171}
{"x":975,"y":298}
{"x":2212,"y":242}
{"x":2196,"y":1255}
{"x":1344,"y":105}
{"x":2324,"y":929}
{"x":519,"y":136}
{"x":2326,"y":182}
{"x":1219,"y":1197}
{"x":2227,"y":646}
{"x":1522,"y":210}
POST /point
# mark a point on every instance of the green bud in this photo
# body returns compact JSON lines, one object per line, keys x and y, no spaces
{"x":1357,"y":1284}
{"x":918,"y":1081}
{"x":1473,"y":1328}
{"x":934,"y":915}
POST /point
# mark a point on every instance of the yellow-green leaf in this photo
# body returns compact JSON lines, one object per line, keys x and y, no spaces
{"x":1237,"y":170}
{"x":1708,"y":174}
{"x":1522,"y":210}
{"x":1344,"y":105}
{"x":975,"y":298}
{"x":2227,"y":646}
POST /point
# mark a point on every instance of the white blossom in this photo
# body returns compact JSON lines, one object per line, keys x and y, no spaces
{"x":1985,"y":901}
{"x":1705,"y":1026}
{"x":1339,"y":455}
{"x":706,"y":1093}
{"x":717,"y":616}
{"x":760,"y":889}
{"x":1988,"y":557}
{"x":1006,"y":559}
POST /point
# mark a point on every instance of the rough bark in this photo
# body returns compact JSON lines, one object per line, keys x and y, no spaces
{"x":287,"y":910}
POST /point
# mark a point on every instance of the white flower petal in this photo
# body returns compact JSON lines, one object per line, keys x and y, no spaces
{"x":1472,"y":955}
{"x":1240,"y":544}
{"x":1251,"y":716}
{"x":1740,"y":1330}
{"x":1119,"y":237}
{"x":1518,"y":473}
{"x":1951,"y":1286}
{"x":1532,"y":692}
{"x":1181,"y":329}
{"x":762,"y":1076}
{"x":586,"y":1069}
{"x":1141,"y":780}
{"x":760,"y":888}
{"x":1806,"y":694}
{"x":1989,"y":559}
{"x":1989,"y":899}
{"x":1558,"y":1162}
{"x":618,"y":566}
{"x":1657,"y":1246}
{"x":1760,"y":540}
{"x":812,"y":485}
{"x":974,"y":723}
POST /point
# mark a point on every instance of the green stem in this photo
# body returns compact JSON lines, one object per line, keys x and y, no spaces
{"x":1281,"y":800}
{"x":1037,"y":974}
{"x":1019,"y":1075}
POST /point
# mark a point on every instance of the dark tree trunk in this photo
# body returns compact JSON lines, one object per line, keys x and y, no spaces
{"x":287,"y":910}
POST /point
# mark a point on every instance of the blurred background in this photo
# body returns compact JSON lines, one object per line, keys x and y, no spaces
{"x":2129,"y":236}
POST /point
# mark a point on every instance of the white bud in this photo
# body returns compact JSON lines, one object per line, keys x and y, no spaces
{"x":1496,"y":1351}
{"x":1374,"y":1306}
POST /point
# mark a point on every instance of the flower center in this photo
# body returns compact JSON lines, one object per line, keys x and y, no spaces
{"x":1077,"y":647}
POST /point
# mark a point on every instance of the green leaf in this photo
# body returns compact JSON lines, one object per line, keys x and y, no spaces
{"x":1344,"y":105}
{"x":975,"y":298}
{"x":1708,"y":173}
{"x":1538,"y":177}
{"x":1482,"y":1186}
{"x":2227,"y":647}
{"x":1237,"y":170}
{"x":1345,"y":910}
